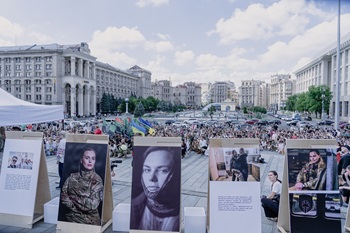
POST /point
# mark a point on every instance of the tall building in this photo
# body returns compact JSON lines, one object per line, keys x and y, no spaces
{"x":323,"y":71}
{"x":281,"y":88}
{"x":219,"y":92}
{"x":68,"y":75}
{"x":249,"y":93}
{"x":162,"y":90}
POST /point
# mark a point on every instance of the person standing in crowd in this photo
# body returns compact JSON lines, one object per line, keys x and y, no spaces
{"x":345,"y":188}
{"x":2,"y":138}
{"x":270,"y":203}
{"x":60,"y":156}
{"x":157,"y":207}
{"x":312,"y":176}
{"x":82,"y":192}
{"x":343,"y":162}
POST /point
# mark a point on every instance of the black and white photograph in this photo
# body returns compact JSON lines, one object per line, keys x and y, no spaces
{"x":312,"y":169}
{"x":83,"y":183}
{"x":234,"y":164}
{"x":156,"y":189}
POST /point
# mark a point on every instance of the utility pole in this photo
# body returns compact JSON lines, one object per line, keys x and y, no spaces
{"x":323,"y":96}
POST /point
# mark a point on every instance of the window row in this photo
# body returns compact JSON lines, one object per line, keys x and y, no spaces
{"x":27,"y":59}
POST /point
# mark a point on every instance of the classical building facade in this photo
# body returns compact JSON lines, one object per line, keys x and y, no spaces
{"x":281,"y":88}
{"x":162,"y":90}
{"x":67,"y":75}
{"x":323,"y":71}
{"x":250,"y":93}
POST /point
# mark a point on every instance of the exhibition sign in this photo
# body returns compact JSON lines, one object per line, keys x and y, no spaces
{"x":156,"y":185}
{"x":234,"y":185}
{"x":24,"y":181}
{"x":310,"y":188}
{"x":86,"y":201}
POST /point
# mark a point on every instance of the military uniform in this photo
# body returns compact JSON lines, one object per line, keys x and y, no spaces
{"x":313,"y":176}
{"x":82,"y":195}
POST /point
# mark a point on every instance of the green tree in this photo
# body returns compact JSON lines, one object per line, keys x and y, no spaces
{"x":139,"y":110}
{"x":317,"y":95}
{"x":291,"y":102}
{"x":302,"y":103}
{"x":105,"y":103}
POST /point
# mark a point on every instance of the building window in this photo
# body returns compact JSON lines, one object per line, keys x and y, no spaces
{"x":7,"y":60}
{"x":37,"y":81}
{"x":49,"y":97}
{"x":18,"y":89}
{"x":18,"y":67}
{"x":38,"y":59}
{"x":18,"y":96}
{"x":38,"y":97}
{"x":48,"y":66}
{"x":28,"y":89}
{"x":38,"y":67}
{"x":48,"y":74}
{"x":49,"y":89}
{"x":27,"y":82}
{"x":48,"y":59}
{"x":48,"y":81}
{"x":18,"y":74}
{"x":28,"y":67}
{"x":28,"y":74}
{"x":38,"y":89}
{"x":28,"y":97}
{"x":17,"y":82}
{"x":17,"y":59}
{"x":8,"y":89}
{"x":37,"y":74}
{"x":8,"y":67}
{"x":28,"y":59}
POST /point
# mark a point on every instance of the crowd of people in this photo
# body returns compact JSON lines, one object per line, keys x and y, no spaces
{"x":195,"y":138}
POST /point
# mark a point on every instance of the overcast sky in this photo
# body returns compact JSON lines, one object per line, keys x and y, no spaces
{"x":184,"y":40}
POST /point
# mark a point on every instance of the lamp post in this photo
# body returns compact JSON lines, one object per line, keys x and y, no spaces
{"x":323,"y":96}
{"x":126,"y":105}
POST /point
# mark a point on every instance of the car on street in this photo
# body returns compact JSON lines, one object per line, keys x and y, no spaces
{"x":179,"y":124}
{"x":251,"y":121}
{"x":302,"y":124}
{"x":211,"y":122}
{"x":325,"y":122}
{"x":262,"y":122}
{"x":191,"y":121}
{"x":232,"y":122}
{"x":293,"y":122}
{"x":169,"y":122}
{"x":308,"y":118}
{"x":277,"y":122}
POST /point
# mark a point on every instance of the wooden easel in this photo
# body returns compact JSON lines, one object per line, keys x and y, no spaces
{"x":227,"y":143}
{"x":283,"y":223}
{"x":107,"y":208}
{"x":38,"y":175}
{"x":158,"y":142}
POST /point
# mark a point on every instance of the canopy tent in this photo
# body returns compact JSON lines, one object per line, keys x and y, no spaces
{"x":14,"y":111}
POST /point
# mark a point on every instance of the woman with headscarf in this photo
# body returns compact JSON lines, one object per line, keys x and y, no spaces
{"x":157,"y":207}
{"x":82,"y":192}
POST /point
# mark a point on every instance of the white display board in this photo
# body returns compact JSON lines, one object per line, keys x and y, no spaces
{"x":19,"y":181}
{"x":234,"y":186}
{"x":233,"y":205}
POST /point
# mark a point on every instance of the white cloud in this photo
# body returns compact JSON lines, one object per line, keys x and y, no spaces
{"x":258,"y":22}
{"x":115,"y":59}
{"x":310,"y":44}
{"x":160,"y":46}
{"x":117,"y":38}
{"x":163,"y":36}
{"x":182,"y":58}
{"x":155,"y":3}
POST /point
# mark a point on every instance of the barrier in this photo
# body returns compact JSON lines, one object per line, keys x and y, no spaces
{"x":51,"y":211}
{"x":195,"y":220}
{"x":121,"y":217}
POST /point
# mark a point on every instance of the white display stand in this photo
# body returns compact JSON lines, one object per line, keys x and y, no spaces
{"x":24,"y":187}
{"x":195,"y":220}
{"x":51,"y":211}
{"x":121,"y":217}
{"x":107,"y":208}
{"x":233,"y":200}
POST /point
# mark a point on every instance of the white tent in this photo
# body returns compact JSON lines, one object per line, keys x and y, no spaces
{"x":14,"y":111}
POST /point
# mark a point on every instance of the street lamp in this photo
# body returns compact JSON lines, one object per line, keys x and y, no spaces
{"x":323,"y":96}
{"x":126,"y":105}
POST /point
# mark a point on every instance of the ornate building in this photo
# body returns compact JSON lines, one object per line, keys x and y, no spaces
{"x":68,"y":75}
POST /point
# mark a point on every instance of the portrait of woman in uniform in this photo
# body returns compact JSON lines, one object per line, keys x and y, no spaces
{"x":156,"y":189}
{"x":82,"y":191}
